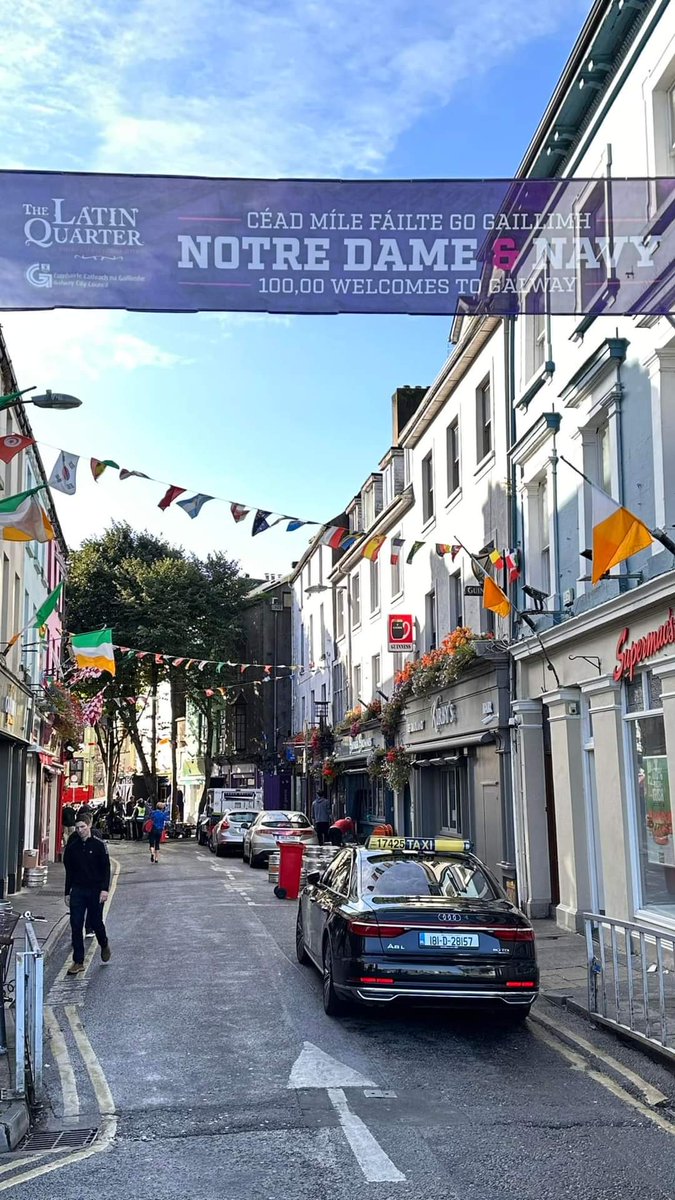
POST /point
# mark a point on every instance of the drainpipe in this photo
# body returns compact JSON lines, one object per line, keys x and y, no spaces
{"x":509,"y":761}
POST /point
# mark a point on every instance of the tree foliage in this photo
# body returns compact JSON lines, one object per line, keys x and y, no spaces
{"x":156,"y":598}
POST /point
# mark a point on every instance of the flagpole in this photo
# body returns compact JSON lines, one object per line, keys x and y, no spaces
{"x":523,"y":616}
{"x":659,"y":535}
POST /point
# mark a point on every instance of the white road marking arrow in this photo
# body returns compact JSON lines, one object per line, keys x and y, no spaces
{"x":315,"y":1069}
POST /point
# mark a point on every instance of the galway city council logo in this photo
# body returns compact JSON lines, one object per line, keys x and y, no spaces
{"x":39,"y":275}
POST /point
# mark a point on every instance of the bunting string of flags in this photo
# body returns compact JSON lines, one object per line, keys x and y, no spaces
{"x":172,"y":660}
{"x":617,"y":533}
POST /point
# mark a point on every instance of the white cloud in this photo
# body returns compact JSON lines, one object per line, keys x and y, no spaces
{"x":227,"y":87}
{"x":62,"y":343}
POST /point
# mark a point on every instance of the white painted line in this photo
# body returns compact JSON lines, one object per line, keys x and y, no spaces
{"x":651,"y":1094}
{"x":103,"y":1142}
{"x":313,"y":1068}
{"x":99,"y":1082}
{"x":581,"y":1064}
{"x":71,"y":1100}
{"x":377,"y":1166}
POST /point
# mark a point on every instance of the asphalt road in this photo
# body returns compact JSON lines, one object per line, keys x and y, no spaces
{"x":180,"y":1053}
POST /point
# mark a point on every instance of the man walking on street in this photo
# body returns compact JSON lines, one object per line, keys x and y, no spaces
{"x":159,"y":817}
{"x":87,"y":881}
{"x":321,"y":816}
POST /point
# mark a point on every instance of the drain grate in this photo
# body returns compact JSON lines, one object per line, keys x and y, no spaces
{"x":58,"y":1139}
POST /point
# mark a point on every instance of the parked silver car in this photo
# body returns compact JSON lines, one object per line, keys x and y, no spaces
{"x":228,"y":835}
{"x":263,"y":836}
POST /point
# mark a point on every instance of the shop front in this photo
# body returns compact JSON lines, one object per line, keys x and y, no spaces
{"x":367,"y":800}
{"x":15,"y":728}
{"x":612,"y":745}
{"x":458,"y":739}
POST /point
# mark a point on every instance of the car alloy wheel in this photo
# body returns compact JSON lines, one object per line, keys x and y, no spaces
{"x":301,"y":954}
{"x":332,"y":1005}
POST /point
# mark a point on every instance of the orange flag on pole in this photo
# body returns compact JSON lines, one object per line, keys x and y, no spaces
{"x":495,"y":599}
{"x":617,"y":534}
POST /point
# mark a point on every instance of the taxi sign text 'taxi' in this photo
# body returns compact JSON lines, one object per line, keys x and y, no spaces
{"x":401,"y":631}
{"x":428,"y":844}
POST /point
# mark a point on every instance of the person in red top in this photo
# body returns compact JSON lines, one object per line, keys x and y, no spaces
{"x":341,"y":832}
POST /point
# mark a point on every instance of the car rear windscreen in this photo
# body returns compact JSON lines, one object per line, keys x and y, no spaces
{"x":387,"y":876}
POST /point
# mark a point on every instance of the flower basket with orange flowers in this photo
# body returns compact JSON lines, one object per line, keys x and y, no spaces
{"x":398,"y":764}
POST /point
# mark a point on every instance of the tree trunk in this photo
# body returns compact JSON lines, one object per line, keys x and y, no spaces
{"x":131,"y":726}
{"x":174,"y":739}
{"x":209,"y":724}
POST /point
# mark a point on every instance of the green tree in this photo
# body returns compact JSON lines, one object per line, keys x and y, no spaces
{"x":156,"y":598}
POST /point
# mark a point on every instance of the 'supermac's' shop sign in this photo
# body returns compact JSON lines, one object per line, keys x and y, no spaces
{"x":163,"y":243}
{"x":631,"y":654}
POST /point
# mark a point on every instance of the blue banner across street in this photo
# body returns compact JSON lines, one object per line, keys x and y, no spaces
{"x":494,"y":247}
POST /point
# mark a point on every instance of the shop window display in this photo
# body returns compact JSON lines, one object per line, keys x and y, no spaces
{"x":656,"y":847}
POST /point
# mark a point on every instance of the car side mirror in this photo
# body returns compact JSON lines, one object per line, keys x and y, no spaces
{"x":314,"y":877}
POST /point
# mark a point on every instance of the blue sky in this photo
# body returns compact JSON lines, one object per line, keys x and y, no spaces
{"x":289,"y":414}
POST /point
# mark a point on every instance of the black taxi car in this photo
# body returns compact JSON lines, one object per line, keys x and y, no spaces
{"x":416,"y":920}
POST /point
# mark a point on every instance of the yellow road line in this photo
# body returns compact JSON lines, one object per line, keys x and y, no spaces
{"x":99,"y":1082}
{"x":651,"y":1094}
{"x":103,"y":1142}
{"x":581,"y":1064}
{"x":71,"y":1100}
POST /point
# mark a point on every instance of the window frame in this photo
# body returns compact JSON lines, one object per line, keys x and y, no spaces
{"x":355,"y":597}
{"x":484,"y":427}
{"x":374,"y":586}
{"x":431,"y":610}
{"x":453,"y":457}
{"x":428,"y":505}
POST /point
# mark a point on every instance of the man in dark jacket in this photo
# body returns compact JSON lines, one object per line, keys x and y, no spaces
{"x":87,"y":881}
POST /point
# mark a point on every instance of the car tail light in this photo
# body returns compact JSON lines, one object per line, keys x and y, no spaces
{"x":516,"y":983}
{"x":375,"y":979}
{"x":225,"y":825}
{"x":364,"y":929}
{"x":513,"y":935}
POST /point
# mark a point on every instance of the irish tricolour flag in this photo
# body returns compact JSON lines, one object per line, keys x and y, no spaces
{"x":94,"y":650}
{"x":23,"y":519}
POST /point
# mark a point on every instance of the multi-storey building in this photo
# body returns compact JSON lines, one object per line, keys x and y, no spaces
{"x":595,"y":738}
{"x":553,"y":751}
{"x":30,"y":750}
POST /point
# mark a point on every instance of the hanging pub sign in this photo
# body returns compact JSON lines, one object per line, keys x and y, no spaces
{"x":401,"y":633}
{"x":165,"y":243}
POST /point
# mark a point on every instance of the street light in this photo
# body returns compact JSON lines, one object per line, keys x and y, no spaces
{"x":50,"y":399}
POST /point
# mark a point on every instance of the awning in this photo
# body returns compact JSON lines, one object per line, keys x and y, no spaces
{"x":487,"y":738}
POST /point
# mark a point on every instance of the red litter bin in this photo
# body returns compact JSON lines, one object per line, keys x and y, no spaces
{"x":290,"y":869}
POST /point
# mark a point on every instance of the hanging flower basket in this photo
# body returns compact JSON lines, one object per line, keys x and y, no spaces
{"x":331,"y":769}
{"x":398,"y":764}
{"x":376,"y":764}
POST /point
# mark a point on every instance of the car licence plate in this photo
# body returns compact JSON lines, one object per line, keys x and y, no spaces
{"x":449,"y":941}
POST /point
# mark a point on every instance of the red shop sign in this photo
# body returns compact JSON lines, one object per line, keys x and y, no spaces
{"x":629,"y":656}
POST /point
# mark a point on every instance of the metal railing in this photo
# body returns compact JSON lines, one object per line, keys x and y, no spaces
{"x":631,"y":979}
{"x":28,"y":1014}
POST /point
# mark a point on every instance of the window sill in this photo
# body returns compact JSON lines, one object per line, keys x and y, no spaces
{"x":484,"y":465}
{"x":397,"y":595}
{"x":543,"y":375}
{"x":429,"y":524}
{"x":375,"y":613}
{"x":454,"y":498}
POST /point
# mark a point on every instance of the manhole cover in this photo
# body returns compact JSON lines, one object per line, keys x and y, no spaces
{"x":58,"y":1139}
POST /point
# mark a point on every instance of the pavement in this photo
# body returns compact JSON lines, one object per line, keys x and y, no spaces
{"x":201,"y":1063}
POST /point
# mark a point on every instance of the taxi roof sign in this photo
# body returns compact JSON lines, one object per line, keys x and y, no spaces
{"x":425,"y":844}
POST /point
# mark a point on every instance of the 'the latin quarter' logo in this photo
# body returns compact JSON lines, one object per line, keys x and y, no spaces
{"x":39,"y":275}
